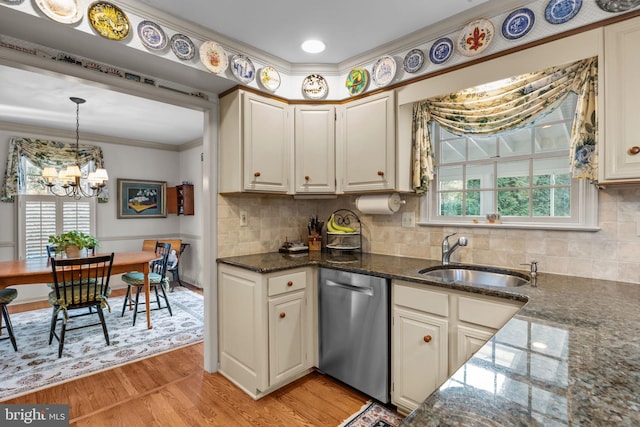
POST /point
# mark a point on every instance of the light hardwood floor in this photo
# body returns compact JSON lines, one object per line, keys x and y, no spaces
{"x":173,"y":389}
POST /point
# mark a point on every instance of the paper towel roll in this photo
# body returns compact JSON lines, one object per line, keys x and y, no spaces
{"x":379,"y":204}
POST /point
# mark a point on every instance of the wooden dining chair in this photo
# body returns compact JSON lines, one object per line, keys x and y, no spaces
{"x":79,"y":283}
{"x":6,"y":296}
{"x":157,"y":279}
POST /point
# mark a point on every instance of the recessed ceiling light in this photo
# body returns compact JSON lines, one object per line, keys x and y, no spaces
{"x":313,"y":46}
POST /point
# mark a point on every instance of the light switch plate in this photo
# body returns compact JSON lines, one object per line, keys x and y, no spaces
{"x":408,"y":219}
{"x":244,"y":218}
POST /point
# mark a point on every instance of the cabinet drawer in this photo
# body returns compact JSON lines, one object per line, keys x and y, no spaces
{"x":287,"y":283}
{"x":486,"y":313}
{"x":422,"y":299}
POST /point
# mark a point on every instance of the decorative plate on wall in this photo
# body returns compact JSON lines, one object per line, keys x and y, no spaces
{"x":183,"y":47}
{"x":151,"y":35}
{"x":64,"y":11}
{"x":617,"y":5}
{"x":108,"y":20}
{"x":314,"y":86}
{"x":213,"y":57}
{"x":518,"y":23}
{"x":357,"y":81}
{"x":384,"y":70}
{"x":243,"y":69}
{"x":441,"y":50}
{"x":413,"y":61}
{"x":270,"y":78}
{"x":561,"y":11}
{"x":475,"y":37}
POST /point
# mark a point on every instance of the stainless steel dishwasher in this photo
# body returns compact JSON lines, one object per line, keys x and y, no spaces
{"x":354,"y":330}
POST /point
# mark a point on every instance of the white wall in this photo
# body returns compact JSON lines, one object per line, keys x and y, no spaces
{"x":130,"y":162}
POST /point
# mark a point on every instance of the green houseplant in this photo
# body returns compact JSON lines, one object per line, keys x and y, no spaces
{"x":72,"y":242}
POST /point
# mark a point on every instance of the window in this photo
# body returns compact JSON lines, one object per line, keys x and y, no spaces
{"x":42,"y":216}
{"x":524,"y":175}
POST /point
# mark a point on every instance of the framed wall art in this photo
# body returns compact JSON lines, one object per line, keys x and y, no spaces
{"x":142,"y":199}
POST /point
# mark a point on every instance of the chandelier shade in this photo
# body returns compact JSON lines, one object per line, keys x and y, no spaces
{"x":70,"y":178}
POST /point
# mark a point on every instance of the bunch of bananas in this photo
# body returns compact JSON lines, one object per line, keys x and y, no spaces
{"x":332,"y":227}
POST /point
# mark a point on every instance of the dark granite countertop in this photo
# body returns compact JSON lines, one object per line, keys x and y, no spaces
{"x":571,"y":356}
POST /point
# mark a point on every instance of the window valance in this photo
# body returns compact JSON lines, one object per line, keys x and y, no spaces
{"x":512,"y":104}
{"x":43,"y":153}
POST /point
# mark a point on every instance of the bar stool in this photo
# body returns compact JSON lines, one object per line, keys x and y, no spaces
{"x":6,"y":296}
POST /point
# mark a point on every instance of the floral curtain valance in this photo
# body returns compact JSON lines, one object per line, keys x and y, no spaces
{"x":513,"y":104}
{"x":43,"y":153}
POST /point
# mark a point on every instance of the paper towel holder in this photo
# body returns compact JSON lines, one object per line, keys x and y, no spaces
{"x":379,"y":204}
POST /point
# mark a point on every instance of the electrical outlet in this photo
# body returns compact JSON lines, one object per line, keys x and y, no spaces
{"x":409,"y":219}
{"x":244,"y":218}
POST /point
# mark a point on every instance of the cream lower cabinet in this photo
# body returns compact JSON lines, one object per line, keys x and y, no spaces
{"x":435,"y":331}
{"x":265,"y":327}
{"x":419,"y":344}
{"x":621,"y":156}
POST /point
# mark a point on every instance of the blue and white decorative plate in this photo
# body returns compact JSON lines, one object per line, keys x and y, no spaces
{"x":384,"y":70}
{"x":151,"y":35}
{"x":441,"y":50}
{"x":561,"y":11}
{"x":413,"y":61}
{"x":183,"y":47}
{"x":243,"y":69}
{"x":518,"y":23}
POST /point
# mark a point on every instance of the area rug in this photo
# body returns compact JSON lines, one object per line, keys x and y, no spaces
{"x":373,"y":414}
{"x":36,"y":364}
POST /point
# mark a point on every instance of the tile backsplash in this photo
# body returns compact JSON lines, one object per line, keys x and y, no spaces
{"x":610,"y":253}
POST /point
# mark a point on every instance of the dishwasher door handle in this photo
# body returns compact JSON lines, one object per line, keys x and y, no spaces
{"x":351,"y":288}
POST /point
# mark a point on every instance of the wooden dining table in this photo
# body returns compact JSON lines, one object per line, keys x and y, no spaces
{"x":38,"y":270}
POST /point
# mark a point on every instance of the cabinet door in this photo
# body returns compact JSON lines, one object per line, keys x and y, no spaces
{"x":267,"y":139}
{"x":367,"y":144}
{"x":469,"y":341}
{"x":287,"y":336}
{"x":419,"y":356}
{"x":621,"y":138}
{"x":315,"y":149}
{"x":239,"y":312}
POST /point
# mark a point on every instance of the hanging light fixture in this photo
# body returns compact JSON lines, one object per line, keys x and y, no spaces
{"x":70,"y":178}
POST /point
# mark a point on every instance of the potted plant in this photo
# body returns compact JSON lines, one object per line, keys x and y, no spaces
{"x":72,"y":242}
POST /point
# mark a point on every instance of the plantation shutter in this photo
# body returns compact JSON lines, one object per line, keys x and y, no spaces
{"x":40,"y":223}
{"x":76,"y":215}
{"x":43,"y":216}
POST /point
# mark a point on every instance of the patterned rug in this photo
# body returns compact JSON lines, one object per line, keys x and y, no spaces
{"x":373,"y":414}
{"x":36,"y":365}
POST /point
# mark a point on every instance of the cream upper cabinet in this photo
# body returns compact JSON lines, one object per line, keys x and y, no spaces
{"x":315,"y":170}
{"x":256,"y":135}
{"x":621,"y":157}
{"x":366,"y":144}
{"x":265,"y":327}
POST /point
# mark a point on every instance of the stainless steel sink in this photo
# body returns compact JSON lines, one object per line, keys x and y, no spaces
{"x":475,"y":275}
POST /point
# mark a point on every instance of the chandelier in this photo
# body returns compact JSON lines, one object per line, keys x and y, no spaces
{"x":70,"y":178}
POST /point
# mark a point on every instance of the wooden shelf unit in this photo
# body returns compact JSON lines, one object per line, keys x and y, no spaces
{"x":180,"y":199}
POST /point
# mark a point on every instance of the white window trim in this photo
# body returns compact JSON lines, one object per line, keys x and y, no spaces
{"x":586,"y":218}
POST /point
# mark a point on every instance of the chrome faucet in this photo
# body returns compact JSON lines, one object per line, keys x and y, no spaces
{"x":447,"y":251}
{"x":533,"y":272}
